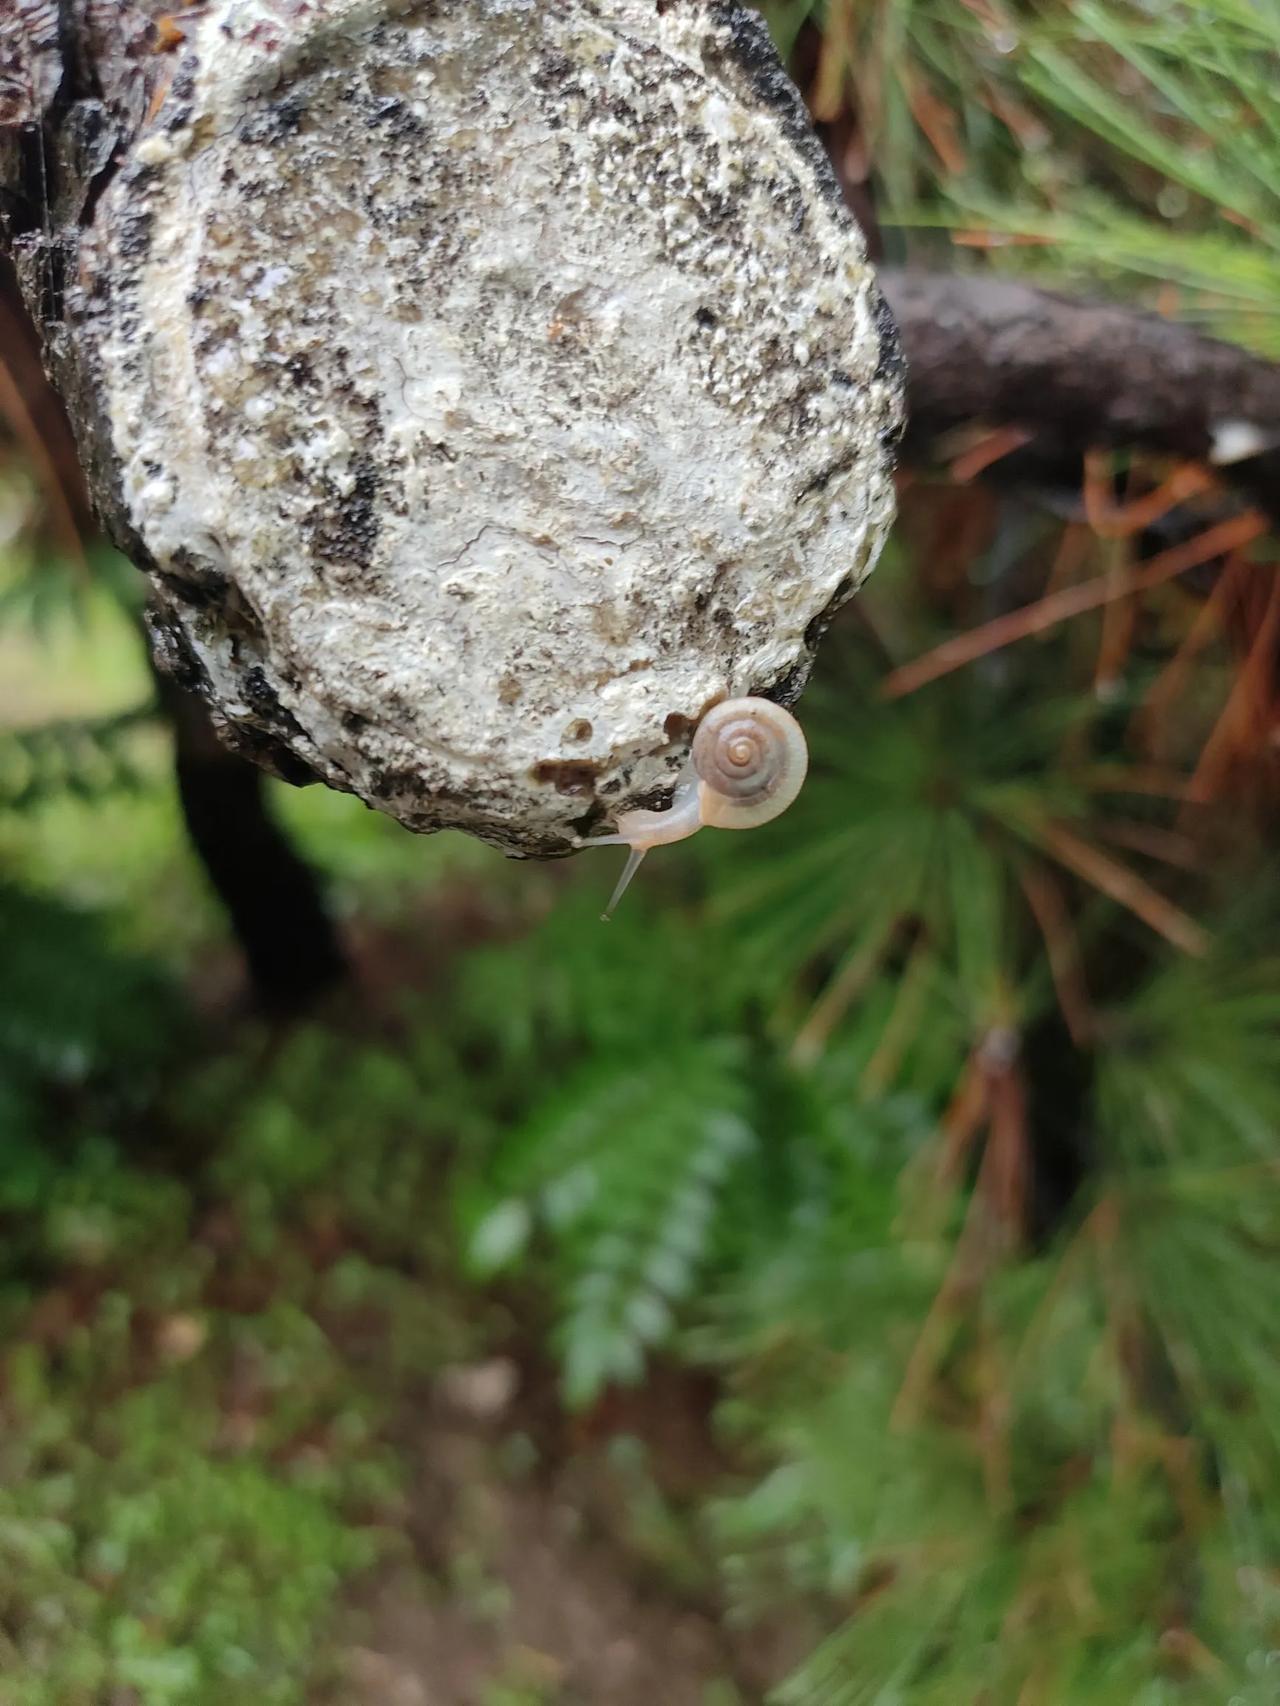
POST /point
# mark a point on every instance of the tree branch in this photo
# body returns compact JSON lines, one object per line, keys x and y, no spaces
{"x":1081,"y":374}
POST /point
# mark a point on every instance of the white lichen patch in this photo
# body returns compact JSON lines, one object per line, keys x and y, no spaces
{"x":494,"y":385}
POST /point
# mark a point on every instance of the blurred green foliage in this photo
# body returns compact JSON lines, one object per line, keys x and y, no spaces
{"x":938,"y":1120}
{"x":1111,"y":144}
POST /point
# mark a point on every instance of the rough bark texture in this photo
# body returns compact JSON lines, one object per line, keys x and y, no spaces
{"x":488,"y":387}
{"x":273,"y":899}
{"x":1084,"y":374}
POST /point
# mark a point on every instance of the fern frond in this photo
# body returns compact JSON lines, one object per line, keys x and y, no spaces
{"x":625,"y":1171}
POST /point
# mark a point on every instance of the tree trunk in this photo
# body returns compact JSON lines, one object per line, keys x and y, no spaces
{"x":486,"y":389}
{"x":272,"y":897}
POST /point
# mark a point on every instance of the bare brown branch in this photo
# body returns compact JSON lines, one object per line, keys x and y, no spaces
{"x":1083,"y":374}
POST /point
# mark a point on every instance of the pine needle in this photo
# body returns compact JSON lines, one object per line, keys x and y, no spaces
{"x":1124,"y":886}
{"x":1073,"y":601}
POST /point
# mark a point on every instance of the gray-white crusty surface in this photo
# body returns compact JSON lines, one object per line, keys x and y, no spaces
{"x":494,"y":384}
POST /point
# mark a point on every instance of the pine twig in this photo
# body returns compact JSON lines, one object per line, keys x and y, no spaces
{"x":1085,"y":374}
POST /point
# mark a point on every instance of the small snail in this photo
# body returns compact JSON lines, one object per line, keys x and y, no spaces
{"x":747,"y":764}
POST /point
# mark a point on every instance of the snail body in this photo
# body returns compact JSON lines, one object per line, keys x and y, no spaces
{"x":747,"y":764}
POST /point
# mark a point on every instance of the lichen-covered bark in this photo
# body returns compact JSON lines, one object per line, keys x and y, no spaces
{"x":488,"y":387}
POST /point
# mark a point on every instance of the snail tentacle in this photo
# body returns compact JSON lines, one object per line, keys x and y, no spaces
{"x":624,"y":881}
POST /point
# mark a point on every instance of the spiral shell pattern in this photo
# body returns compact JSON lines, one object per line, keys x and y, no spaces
{"x":751,"y":759}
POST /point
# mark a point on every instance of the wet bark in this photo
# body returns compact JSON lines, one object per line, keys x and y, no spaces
{"x":272,"y":898}
{"x":1078,"y":375}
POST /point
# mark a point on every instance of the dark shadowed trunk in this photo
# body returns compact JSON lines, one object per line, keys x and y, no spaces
{"x":272,"y":897}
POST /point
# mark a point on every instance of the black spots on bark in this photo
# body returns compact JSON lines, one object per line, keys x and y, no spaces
{"x":195,"y":580}
{"x":282,"y":726}
{"x":788,"y":688}
{"x":263,"y":700}
{"x":397,"y":118}
{"x":709,"y":603}
{"x":172,"y":650}
{"x":554,"y":73}
{"x":134,"y":240}
{"x":891,"y":367}
{"x":301,"y":371}
{"x":410,"y":785}
{"x":748,"y":54}
{"x":275,"y":123}
{"x":286,"y":116}
{"x":791,"y":204}
{"x":269,"y":754}
{"x":343,"y":525}
{"x":817,"y":627}
{"x":180,"y":100}
{"x":823,"y":478}
{"x":183,"y":87}
{"x":750,"y":48}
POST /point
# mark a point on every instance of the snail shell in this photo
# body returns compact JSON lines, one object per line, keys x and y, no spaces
{"x":748,"y":763}
{"x":751,"y":760}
